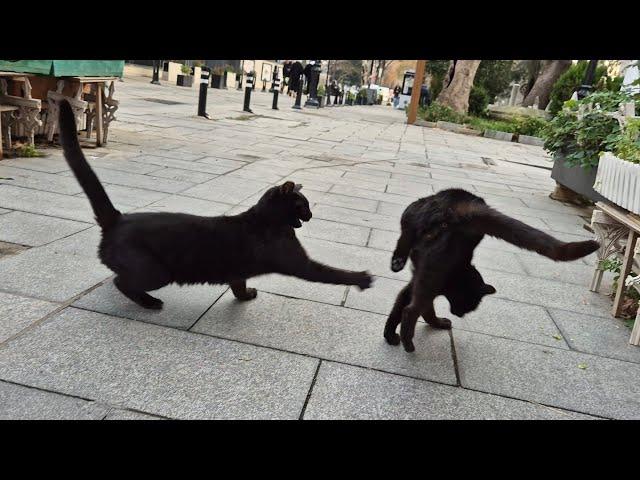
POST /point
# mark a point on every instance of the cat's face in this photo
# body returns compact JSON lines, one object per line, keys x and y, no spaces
{"x":286,"y":203}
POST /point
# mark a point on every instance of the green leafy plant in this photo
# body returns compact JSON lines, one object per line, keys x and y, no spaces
{"x":218,"y":70}
{"x":570,"y":80}
{"x":483,"y":124}
{"x":185,"y":69}
{"x":321,"y":91}
{"x":532,"y":126}
{"x":28,"y":151}
{"x":479,"y":99}
{"x":438,"y":112}
{"x":628,"y":146}
{"x":580,"y":131}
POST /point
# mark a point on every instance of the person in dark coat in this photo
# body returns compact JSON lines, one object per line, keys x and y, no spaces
{"x":294,"y":77}
{"x":307,"y":74}
{"x":425,"y":97}
{"x":286,"y":73}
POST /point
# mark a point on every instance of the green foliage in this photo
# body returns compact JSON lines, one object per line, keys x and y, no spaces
{"x":582,"y":137}
{"x":28,"y":150}
{"x":494,"y":77}
{"x":347,"y":71}
{"x":185,"y":69}
{"x":321,"y":91}
{"x":437,"y":69}
{"x":438,"y":112}
{"x":628,"y":146}
{"x":532,"y":126}
{"x":570,"y":80}
{"x":483,"y":124}
{"x":478,"y":100}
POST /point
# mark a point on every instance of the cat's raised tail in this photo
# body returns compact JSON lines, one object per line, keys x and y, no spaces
{"x":484,"y":219}
{"x":105,"y":212}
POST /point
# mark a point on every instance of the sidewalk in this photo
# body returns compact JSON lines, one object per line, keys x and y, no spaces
{"x":71,"y":346}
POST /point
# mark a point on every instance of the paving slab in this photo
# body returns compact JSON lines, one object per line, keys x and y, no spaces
{"x":344,"y":392}
{"x":193,"y":206}
{"x":226,"y":189}
{"x":550,"y":376}
{"x":18,"y":402}
{"x":17,"y":313}
{"x":45,"y":203}
{"x":608,"y":337}
{"x":120,"y":414}
{"x":182,"y":305}
{"x":335,"y":231}
{"x":327,"y":332}
{"x":50,"y":275}
{"x":158,"y":370}
{"x":34,"y":230}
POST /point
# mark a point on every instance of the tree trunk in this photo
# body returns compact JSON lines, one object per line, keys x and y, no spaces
{"x":548,"y":76}
{"x":456,"y":94}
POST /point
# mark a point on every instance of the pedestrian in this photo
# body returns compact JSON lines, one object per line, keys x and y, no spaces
{"x":286,"y":72}
{"x":425,"y":97}
{"x":294,"y":77}
{"x":396,"y":96}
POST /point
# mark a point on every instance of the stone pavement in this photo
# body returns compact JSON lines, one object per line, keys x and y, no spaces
{"x":72,"y":347}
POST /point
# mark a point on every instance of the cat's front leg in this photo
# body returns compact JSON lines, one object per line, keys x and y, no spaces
{"x":317,"y":272}
{"x":241,"y":292}
{"x":401,"y":252}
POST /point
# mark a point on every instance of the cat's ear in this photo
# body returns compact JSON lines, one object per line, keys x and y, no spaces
{"x":488,"y":289}
{"x":287,"y":187}
{"x":298,"y":187}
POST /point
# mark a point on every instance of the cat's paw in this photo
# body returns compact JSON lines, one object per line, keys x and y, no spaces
{"x":392,"y":338}
{"x":398,"y":263}
{"x":363,"y":280}
{"x":442,"y":323}
{"x":249,"y":294}
{"x":408,"y":346}
{"x":151,"y":303}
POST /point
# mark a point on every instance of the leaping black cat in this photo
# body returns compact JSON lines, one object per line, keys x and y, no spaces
{"x":440,"y":233}
{"x":150,"y":250}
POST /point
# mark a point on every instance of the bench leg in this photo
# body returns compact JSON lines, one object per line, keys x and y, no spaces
{"x":635,"y":333}
{"x":609,"y":234}
{"x":624,"y":271}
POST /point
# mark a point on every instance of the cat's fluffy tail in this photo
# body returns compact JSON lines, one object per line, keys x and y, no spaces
{"x":106,"y":214}
{"x":484,"y":219}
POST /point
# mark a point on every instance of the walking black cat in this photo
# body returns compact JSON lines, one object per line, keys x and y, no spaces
{"x":440,"y":233}
{"x":150,"y":250}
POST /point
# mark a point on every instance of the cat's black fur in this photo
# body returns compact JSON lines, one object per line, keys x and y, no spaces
{"x":440,"y":233}
{"x":150,"y":250}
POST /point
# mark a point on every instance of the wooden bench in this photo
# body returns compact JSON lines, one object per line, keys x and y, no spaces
{"x":611,"y":225}
{"x":28,"y":114}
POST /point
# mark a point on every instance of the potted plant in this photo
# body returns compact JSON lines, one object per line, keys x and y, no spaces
{"x":618,"y":176}
{"x":186,"y":79}
{"x":217,"y":77}
{"x":576,"y":136}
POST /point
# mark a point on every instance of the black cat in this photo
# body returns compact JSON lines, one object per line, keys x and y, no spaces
{"x":440,"y":232}
{"x":150,"y":250}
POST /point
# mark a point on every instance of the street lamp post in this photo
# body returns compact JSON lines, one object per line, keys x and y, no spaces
{"x":156,"y":72}
{"x":587,"y":83}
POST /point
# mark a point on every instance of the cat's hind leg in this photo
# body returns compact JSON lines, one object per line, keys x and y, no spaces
{"x":241,"y":292}
{"x":138,"y":272}
{"x":395,"y":317}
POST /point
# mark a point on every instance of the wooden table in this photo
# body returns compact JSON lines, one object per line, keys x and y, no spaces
{"x":4,"y":109}
{"x":632,"y":224}
{"x":99,"y":82}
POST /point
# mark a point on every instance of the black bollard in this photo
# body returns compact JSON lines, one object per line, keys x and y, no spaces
{"x":247,"y":92}
{"x":202,"y":99}
{"x":276,"y":88}
{"x":299,"y":94}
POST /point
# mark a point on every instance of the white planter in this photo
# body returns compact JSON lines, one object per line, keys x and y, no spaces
{"x":619,"y":181}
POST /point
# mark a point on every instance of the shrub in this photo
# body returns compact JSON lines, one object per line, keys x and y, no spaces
{"x":531,"y":126}
{"x":581,"y":137}
{"x":438,"y":112}
{"x":478,"y":100}
{"x":628,"y":146}
{"x":185,"y":69}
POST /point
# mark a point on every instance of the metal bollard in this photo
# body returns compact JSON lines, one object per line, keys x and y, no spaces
{"x":276,"y":90}
{"x":299,"y":94}
{"x":247,"y":92}
{"x":202,"y":99}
